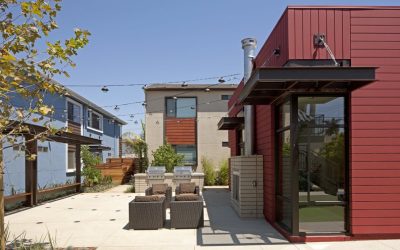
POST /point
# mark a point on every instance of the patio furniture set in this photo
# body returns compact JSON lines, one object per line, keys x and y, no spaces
{"x":149,"y":211}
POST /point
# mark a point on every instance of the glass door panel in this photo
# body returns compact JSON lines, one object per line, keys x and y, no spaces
{"x":284,"y":185}
{"x":320,"y":141}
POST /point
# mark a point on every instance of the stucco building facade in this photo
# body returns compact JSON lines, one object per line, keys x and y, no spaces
{"x":186,"y":117}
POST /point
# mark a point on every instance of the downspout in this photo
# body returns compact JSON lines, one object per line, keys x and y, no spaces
{"x":249,"y":47}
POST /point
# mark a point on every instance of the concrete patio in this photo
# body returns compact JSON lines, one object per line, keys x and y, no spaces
{"x":100,"y":220}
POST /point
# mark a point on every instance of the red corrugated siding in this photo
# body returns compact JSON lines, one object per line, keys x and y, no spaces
{"x":369,"y":37}
{"x":304,"y":23}
{"x":375,"y":164}
{"x":264,"y":146}
{"x":264,"y":113}
{"x":277,"y":39}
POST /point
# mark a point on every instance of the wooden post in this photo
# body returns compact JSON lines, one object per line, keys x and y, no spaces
{"x":2,"y":229}
{"x":78,"y":166}
{"x":31,"y":174}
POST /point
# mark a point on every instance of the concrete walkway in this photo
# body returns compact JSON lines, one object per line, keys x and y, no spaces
{"x":100,"y":220}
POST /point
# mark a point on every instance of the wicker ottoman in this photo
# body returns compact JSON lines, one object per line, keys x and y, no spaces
{"x":147,"y":215}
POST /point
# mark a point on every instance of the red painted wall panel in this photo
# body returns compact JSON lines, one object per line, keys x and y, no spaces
{"x":368,"y":37}
{"x":304,"y":23}
{"x":264,"y":146}
{"x":375,"y":165}
{"x":264,"y":113}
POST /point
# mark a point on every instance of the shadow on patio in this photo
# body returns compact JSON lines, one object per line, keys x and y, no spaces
{"x":226,"y":228}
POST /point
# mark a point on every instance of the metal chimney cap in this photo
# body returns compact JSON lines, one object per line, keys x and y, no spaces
{"x":249,"y":42}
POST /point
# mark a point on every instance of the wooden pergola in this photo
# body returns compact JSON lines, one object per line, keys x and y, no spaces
{"x":31,"y":165}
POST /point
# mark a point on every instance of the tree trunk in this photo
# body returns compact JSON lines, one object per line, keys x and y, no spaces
{"x":2,"y":232}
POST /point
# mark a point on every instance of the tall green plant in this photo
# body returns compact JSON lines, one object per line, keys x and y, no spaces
{"x":223,"y":173}
{"x":91,"y":174}
{"x":166,"y":156}
{"x":209,"y":172}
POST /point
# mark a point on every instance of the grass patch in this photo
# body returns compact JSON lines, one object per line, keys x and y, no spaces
{"x":130,"y":189}
{"x":321,"y":214}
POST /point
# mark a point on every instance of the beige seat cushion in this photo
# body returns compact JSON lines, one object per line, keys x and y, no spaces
{"x":187,"y":197}
{"x":148,"y":198}
{"x":160,"y":188}
{"x":187,"y":188}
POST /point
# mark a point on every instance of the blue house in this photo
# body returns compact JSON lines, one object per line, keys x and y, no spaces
{"x":56,"y":161}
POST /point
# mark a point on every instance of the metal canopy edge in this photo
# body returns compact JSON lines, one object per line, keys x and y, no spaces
{"x":228,"y":123}
{"x":268,"y":84}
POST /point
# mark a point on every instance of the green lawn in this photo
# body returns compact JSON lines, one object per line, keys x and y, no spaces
{"x":321,"y":213}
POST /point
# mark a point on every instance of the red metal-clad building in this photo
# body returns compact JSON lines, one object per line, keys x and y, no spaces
{"x":325,"y":92}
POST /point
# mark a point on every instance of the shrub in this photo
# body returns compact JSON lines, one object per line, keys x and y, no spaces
{"x":209,"y":172}
{"x":223,"y":174}
{"x":130,"y":189}
{"x":92,"y":175}
{"x":166,"y":156}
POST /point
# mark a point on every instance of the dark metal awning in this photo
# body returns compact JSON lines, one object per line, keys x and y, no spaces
{"x":227,"y":123}
{"x":99,"y":147}
{"x":266,"y":85}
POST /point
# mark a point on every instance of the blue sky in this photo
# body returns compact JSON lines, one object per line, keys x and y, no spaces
{"x":159,"y":41}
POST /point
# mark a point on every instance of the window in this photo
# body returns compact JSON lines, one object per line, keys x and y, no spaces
{"x":226,"y":97}
{"x":43,"y":149}
{"x":71,"y":161}
{"x":95,"y":120}
{"x":225,"y":144}
{"x":189,"y":153}
{"x":74,"y":112}
{"x":181,"y":107}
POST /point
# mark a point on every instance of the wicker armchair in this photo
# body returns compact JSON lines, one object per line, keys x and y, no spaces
{"x":178,"y":190}
{"x":168,"y":195}
{"x":187,"y":214}
{"x":147,"y":215}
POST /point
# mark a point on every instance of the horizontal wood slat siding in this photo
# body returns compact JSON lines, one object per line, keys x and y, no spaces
{"x":375,"y":142}
{"x":304,"y":23}
{"x":180,"y":131}
{"x":74,"y":128}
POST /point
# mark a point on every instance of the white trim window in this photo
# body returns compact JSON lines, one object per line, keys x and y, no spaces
{"x":94,"y":120}
{"x":74,"y":111}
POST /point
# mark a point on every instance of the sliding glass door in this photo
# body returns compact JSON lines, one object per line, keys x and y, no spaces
{"x":311,"y":165}
{"x":320,"y":143}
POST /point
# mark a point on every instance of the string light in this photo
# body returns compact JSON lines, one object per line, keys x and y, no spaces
{"x":207,"y":89}
{"x":184,"y":82}
{"x":105,"y":89}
